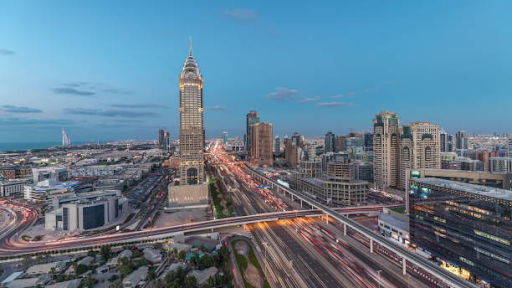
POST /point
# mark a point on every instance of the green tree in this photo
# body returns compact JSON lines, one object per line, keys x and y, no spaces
{"x":81,"y":269}
{"x":113,"y":278}
{"x":137,"y":254}
{"x":152,"y":275}
{"x":125,"y":270}
{"x":105,"y":252}
{"x":123,"y":261}
{"x":88,"y":282}
{"x":190,"y":281}
{"x":182,"y":255}
{"x":116,"y":284}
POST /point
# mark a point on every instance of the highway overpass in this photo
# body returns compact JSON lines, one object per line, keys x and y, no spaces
{"x":10,"y":250}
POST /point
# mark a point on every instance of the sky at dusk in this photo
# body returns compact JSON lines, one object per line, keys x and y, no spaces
{"x":108,"y":70}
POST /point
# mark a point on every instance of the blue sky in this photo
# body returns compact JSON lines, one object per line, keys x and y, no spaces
{"x":108,"y":70}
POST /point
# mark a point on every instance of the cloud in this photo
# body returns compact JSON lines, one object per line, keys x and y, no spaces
{"x":6,"y":52}
{"x":308,"y":100}
{"x":333,"y":104}
{"x":82,"y":88}
{"x":72,"y":91}
{"x":138,"y":106}
{"x":283,"y":94}
{"x":348,"y":94}
{"x":245,"y":16}
{"x":14,"y":121}
{"x":354,"y":93}
{"x":18,"y":109}
{"x":216,"y":108}
{"x":110,"y":112}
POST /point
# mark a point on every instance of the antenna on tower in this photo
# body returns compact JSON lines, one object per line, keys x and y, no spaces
{"x":190,"y":46}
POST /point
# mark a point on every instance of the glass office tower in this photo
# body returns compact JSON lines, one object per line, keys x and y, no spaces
{"x":467,"y":228}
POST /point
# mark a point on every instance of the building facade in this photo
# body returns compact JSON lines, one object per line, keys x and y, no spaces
{"x":251,"y":118}
{"x":12,"y":188}
{"x":495,"y":180}
{"x":443,"y":138}
{"x":82,"y":213}
{"x":500,"y":164}
{"x":465,"y":227}
{"x":277,"y":145}
{"x":368,"y":142}
{"x":386,"y":142}
{"x":461,"y":140}
{"x":191,"y":123}
{"x":330,"y":142}
{"x":261,"y":145}
{"x":420,"y":147}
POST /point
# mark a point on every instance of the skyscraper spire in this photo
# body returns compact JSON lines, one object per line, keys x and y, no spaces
{"x":190,"y":46}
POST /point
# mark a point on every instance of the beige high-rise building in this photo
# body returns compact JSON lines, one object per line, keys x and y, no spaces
{"x":420,"y":147}
{"x":191,"y":123}
{"x":193,"y":189}
{"x":386,"y":157}
{"x":261,"y":145}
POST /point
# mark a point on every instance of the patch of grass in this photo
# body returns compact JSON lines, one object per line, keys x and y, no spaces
{"x":241,"y":261}
{"x":242,"y":264}
{"x":254,"y":261}
{"x":219,"y":209}
{"x":400,"y":209}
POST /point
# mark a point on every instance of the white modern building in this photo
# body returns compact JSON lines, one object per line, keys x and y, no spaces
{"x":86,"y":212}
{"x":50,"y":174}
{"x":11,"y":188}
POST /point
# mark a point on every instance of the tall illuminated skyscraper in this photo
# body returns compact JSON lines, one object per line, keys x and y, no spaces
{"x":191,"y":123}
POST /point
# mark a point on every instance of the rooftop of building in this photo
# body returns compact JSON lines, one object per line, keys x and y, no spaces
{"x":66,"y":284}
{"x":461,"y":171}
{"x":394,"y":221}
{"x":501,"y":158}
{"x":321,"y":181}
{"x":468,"y":188}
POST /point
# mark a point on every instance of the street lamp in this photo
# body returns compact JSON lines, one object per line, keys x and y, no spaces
{"x":378,"y":273}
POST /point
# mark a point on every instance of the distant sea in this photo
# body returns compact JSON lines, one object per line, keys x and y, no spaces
{"x":22,"y":146}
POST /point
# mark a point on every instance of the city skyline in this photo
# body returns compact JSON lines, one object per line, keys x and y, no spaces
{"x":117,"y":82}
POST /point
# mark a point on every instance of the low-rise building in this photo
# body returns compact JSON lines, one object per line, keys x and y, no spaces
{"x":203,"y":275}
{"x":39,"y":281}
{"x":46,"y":268}
{"x":394,"y":225}
{"x":52,"y":174}
{"x":86,"y":212}
{"x":501,"y":164}
{"x":339,"y":187}
{"x":95,"y":170}
{"x":113,"y":262}
{"x":11,"y":188}
{"x":152,"y":255}
{"x":86,"y":261}
{"x":75,"y":283}
{"x":336,"y":193}
{"x":132,"y":280}
{"x":15,"y":172}
{"x":496,"y":180}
